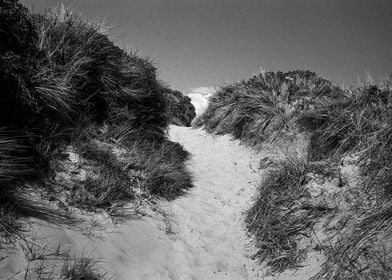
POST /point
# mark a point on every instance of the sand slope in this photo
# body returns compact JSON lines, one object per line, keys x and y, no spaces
{"x":200,"y":235}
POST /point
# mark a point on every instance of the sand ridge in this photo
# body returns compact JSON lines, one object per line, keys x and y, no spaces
{"x":198,"y":236}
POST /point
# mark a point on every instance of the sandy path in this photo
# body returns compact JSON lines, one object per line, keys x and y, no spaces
{"x":209,"y":241}
{"x":210,"y":237}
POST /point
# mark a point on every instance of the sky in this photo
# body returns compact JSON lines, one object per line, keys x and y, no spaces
{"x":201,"y":44}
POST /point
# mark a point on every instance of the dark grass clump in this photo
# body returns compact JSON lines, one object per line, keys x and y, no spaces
{"x":167,"y":177}
{"x":109,"y":184}
{"x":180,"y":110}
{"x":360,"y":123}
{"x":348,"y":124}
{"x":16,"y":162}
{"x":363,"y":250}
{"x":9,"y":224}
{"x":278,"y":217}
{"x":163,"y":163}
{"x":262,"y":107}
{"x":83,"y":71}
{"x":81,"y":269}
{"x":16,"y":158}
{"x":69,"y":70}
{"x":125,"y":169}
{"x":63,"y":80}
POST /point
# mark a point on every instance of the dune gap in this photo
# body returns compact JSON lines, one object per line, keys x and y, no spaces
{"x":210,"y":240}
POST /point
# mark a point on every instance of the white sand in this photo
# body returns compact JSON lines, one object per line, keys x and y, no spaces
{"x":209,"y":239}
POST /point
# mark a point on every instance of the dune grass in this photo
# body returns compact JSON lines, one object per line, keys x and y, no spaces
{"x":16,"y":162}
{"x":180,"y":109}
{"x":166,"y":175}
{"x":57,"y":263}
{"x":347,"y":125}
{"x":80,"y":269}
{"x":356,"y":124}
{"x":63,"y":83}
{"x":339,"y":124}
{"x":135,"y":172}
{"x":108,"y":185}
{"x":269,"y":218}
{"x":283,"y":213}
{"x":264,"y":106}
{"x":363,"y":249}
{"x":360,"y":125}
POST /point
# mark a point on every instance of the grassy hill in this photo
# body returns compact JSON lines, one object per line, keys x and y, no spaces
{"x":334,"y":199}
{"x":72,"y":103}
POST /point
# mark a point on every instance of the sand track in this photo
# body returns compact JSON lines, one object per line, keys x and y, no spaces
{"x":200,"y":236}
{"x":209,"y":221}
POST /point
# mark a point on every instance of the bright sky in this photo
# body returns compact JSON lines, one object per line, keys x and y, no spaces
{"x":210,"y":42}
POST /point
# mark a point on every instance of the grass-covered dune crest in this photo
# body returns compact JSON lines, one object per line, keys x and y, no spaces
{"x":82,"y":121}
{"x":265,"y":105}
{"x":331,"y":203}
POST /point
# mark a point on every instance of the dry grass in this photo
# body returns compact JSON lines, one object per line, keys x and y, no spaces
{"x":180,"y":109}
{"x":166,"y":175}
{"x":339,"y":123}
{"x":363,"y":249}
{"x":108,"y":186}
{"x":63,"y":80}
{"x":264,"y":106}
{"x":122,"y":170}
{"x":359,"y":124}
{"x":43,"y":263}
{"x":347,"y":125}
{"x":281,"y":215}
{"x":80,"y":269}
{"x":356,"y":124}
{"x":9,"y":225}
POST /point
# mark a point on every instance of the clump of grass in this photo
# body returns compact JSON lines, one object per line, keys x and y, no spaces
{"x":348,"y":124}
{"x":166,"y":175}
{"x":16,"y":159}
{"x":109,"y":184}
{"x":70,"y":69}
{"x":180,"y":109}
{"x":360,"y":124}
{"x":138,"y":170}
{"x":16,"y":163}
{"x":162,"y":162}
{"x":9,"y":225}
{"x":167,"y":179}
{"x":363,"y":250}
{"x":63,"y":79}
{"x":46,"y":263}
{"x":263,"y":106}
{"x":279,"y":217}
{"x":81,"y":269}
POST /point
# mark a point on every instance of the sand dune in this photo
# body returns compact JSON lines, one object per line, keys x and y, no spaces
{"x":199,"y":236}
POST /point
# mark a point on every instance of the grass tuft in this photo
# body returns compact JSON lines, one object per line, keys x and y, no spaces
{"x":264,"y":106}
{"x":80,"y":269}
{"x":276,"y":218}
{"x":109,"y":184}
{"x":180,"y":109}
